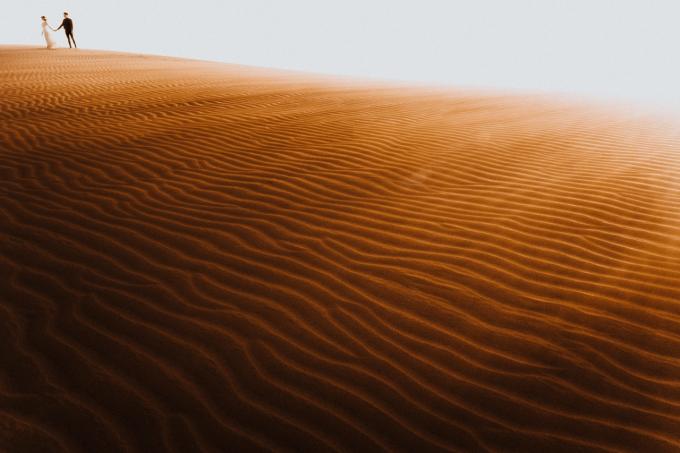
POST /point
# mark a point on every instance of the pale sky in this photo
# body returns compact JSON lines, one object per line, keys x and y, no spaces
{"x":613,"y":49}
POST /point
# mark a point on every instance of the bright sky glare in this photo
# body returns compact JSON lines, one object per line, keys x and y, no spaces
{"x":613,"y":49}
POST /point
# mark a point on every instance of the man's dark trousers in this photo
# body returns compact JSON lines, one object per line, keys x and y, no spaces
{"x":69,"y":36}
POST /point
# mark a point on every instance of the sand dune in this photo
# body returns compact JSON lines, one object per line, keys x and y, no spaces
{"x":198,"y":256}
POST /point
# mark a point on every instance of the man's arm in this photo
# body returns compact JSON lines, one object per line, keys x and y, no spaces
{"x":62,"y":24}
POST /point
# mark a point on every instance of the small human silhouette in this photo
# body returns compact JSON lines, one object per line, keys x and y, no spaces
{"x":67,"y":23}
{"x":46,"y":33}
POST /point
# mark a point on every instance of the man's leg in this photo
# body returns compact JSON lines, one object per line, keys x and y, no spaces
{"x":68,"y":38}
{"x":71,"y":38}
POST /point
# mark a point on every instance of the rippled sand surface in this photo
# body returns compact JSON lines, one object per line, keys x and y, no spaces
{"x":203,"y":257}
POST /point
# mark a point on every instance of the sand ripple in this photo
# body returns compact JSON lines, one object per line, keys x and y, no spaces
{"x":198,"y":256}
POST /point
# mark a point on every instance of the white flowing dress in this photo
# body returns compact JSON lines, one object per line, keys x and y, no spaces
{"x":49,"y":40}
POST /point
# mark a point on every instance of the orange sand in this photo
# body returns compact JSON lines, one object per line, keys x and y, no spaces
{"x":196,"y":256}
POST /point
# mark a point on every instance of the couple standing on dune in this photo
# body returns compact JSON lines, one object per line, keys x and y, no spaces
{"x":67,"y":24}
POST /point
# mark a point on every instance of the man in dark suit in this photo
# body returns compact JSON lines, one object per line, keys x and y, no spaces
{"x":67,"y":23}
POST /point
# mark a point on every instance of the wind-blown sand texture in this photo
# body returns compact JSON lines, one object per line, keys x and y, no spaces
{"x":197,"y":256}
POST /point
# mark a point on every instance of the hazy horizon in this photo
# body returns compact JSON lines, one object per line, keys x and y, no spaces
{"x":602,"y":49}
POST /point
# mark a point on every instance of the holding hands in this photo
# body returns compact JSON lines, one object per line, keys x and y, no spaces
{"x":66,"y":24}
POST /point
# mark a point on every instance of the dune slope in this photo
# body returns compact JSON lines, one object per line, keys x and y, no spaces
{"x":196,"y":256}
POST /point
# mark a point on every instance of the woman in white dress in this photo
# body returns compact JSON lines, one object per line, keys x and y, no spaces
{"x":46,"y":33}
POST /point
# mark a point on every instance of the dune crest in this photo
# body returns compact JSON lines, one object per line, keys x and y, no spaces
{"x":197,"y":256}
